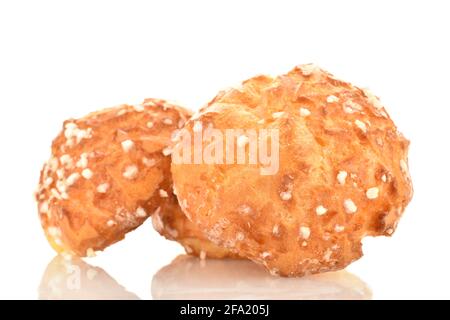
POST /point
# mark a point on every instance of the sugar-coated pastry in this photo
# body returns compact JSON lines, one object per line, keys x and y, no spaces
{"x":171,"y":222}
{"x":342,"y":173}
{"x":108,"y":172}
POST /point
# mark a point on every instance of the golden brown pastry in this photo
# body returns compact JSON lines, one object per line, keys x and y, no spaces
{"x":171,"y":222}
{"x":342,"y":173}
{"x":108,"y":172}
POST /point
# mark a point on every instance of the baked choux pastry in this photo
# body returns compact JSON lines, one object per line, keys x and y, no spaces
{"x":171,"y":222}
{"x":338,"y":171}
{"x":108,"y":172}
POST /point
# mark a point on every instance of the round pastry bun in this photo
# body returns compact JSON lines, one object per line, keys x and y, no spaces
{"x":108,"y":172}
{"x":342,"y":173}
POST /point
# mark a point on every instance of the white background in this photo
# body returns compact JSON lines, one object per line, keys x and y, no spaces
{"x":61,"y":59}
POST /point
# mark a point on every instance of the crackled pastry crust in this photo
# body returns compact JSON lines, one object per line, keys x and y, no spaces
{"x":171,"y":222}
{"x":107,"y":174}
{"x":343,"y":174}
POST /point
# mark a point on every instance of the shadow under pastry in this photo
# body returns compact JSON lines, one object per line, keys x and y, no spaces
{"x":74,"y":279}
{"x":188,"y":277}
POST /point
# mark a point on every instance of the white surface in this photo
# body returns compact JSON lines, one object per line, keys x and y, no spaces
{"x":61,"y":60}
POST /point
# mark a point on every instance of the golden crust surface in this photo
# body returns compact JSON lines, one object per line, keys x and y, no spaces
{"x":171,"y":222}
{"x":106,"y":175}
{"x":342,"y":175}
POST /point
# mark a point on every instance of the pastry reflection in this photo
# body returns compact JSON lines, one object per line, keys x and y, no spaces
{"x":75,"y":279}
{"x":190,"y":278}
